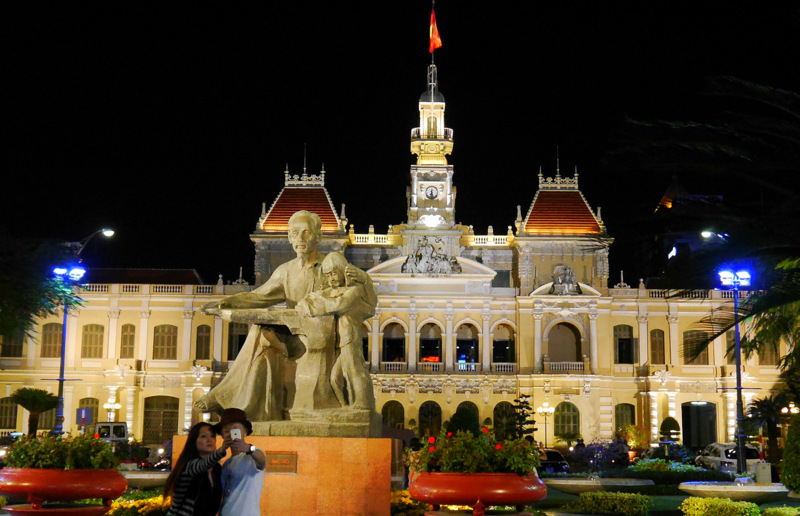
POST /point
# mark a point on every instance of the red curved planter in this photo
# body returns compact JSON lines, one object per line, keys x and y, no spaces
{"x":478,"y":490}
{"x":37,"y":485}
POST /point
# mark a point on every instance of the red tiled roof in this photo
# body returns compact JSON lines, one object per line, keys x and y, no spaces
{"x":559,"y":212}
{"x":291,"y":199}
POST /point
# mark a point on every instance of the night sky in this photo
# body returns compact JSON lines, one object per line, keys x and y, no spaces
{"x":174,"y":124}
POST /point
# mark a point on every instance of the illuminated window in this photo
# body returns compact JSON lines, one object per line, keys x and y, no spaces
{"x":92,"y":341}
{"x":165,"y":342}
{"x":467,"y":346}
{"x":51,"y":340}
{"x":503,"y":345}
{"x":394,"y":343}
{"x":430,"y":343}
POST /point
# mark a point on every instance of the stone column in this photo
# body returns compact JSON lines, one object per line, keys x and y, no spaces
{"x":376,"y":342}
{"x":654,"y":419}
{"x":69,"y":404}
{"x":671,"y":407}
{"x":448,"y":347}
{"x":186,"y":341}
{"x":144,"y":334}
{"x":730,"y":415}
{"x":487,"y":344}
{"x":113,"y":324}
{"x":537,"y":341}
{"x":644,"y":340}
{"x":674,"y":340}
{"x":187,"y":408}
{"x":593,"y":347}
{"x":130,"y":402}
{"x":112,"y":399}
{"x":217,"y":346}
{"x":413,"y":338}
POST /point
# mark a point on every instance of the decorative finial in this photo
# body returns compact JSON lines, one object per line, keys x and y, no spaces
{"x":558,"y":163}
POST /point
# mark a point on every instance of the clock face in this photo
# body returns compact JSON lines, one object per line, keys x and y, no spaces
{"x":431,"y":192}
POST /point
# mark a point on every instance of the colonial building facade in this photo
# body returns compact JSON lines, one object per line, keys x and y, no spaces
{"x":463,"y":320}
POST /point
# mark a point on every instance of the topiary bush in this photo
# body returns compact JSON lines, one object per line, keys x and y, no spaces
{"x":673,"y":452}
{"x":696,"y":506}
{"x":790,"y":467}
{"x":781,"y":511}
{"x":602,"y":502}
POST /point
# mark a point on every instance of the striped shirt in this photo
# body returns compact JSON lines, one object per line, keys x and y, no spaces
{"x":183,"y":505}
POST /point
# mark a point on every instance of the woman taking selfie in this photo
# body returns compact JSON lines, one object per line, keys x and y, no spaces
{"x":195,"y":483}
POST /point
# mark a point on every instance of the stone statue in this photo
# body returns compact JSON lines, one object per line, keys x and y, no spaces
{"x":565,"y":283}
{"x":261,"y":381}
{"x":346,"y":300}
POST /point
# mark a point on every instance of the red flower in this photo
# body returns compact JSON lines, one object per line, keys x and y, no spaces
{"x":431,"y":439}
{"x":485,"y":430}
{"x":449,"y":434}
{"x":432,"y":448}
{"x":498,"y":446}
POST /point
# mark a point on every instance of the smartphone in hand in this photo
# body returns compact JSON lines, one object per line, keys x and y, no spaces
{"x":236,"y":433}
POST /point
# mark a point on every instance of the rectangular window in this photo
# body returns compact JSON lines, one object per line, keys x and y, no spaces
{"x":730,"y":347}
{"x":165,"y":342}
{"x":624,"y":345}
{"x":127,"y":341}
{"x":11,"y":347}
{"x":51,"y":340}
{"x":203,"y":345}
{"x":691,"y":341}
{"x":657,"y":353}
{"x":8,"y":414}
{"x":768,"y":355}
{"x":92,"y":343}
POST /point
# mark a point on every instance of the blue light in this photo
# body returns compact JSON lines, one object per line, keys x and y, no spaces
{"x":60,"y":271}
{"x":76,"y":273}
{"x":729,"y":278}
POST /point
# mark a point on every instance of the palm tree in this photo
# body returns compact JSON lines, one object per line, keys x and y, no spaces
{"x":35,"y":401}
{"x":766,"y":414}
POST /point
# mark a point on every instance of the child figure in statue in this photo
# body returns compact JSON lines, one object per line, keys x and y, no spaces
{"x":344,"y":299}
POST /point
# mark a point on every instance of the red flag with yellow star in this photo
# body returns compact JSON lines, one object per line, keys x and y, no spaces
{"x":436,"y":41}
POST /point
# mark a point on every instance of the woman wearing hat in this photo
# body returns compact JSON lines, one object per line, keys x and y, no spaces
{"x":243,"y":473}
{"x":195,"y":483}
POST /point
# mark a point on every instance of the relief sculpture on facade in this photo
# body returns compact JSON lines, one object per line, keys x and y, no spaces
{"x":430,"y":257}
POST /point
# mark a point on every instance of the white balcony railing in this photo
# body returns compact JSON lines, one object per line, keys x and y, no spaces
{"x":430,"y":367}
{"x":471,"y":367}
{"x":563,"y":367}
{"x":504,"y":367}
{"x":393,"y":367}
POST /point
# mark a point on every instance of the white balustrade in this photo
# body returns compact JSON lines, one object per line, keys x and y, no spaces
{"x":393,"y":367}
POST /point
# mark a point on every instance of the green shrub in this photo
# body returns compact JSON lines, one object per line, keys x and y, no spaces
{"x":696,"y":506}
{"x":671,"y":476}
{"x":602,"y":502}
{"x":81,"y":452}
{"x":781,"y":511}
{"x":790,"y":467}
{"x":403,"y":505}
{"x":3,"y":501}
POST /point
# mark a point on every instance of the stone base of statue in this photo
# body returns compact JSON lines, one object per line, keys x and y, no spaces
{"x":323,"y":423}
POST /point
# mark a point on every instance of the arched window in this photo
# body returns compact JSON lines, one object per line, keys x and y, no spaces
{"x":165,"y":342}
{"x":657,"y":354}
{"x":393,"y":414}
{"x":430,"y":419}
{"x":566,"y":419}
{"x":92,"y":341}
{"x":624,"y":352}
{"x":503,"y":350}
{"x":467,"y":344}
{"x":94,"y":405}
{"x":237,"y":334}
{"x":8,"y":414}
{"x":394,"y":343}
{"x":624,"y":414}
{"x":202,"y":349}
{"x":430,"y":343}
{"x":468,"y":405}
{"x":505,"y":420}
{"x":127,"y":341}
{"x":160,"y":419}
{"x":691,"y":340}
{"x":51,"y":340}
{"x":564,"y":343}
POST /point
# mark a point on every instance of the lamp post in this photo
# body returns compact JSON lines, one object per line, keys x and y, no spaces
{"x":790,"y":410}
{"x":70,"y":275}
{"x":734,"y":280}
{"x":545,"y":411}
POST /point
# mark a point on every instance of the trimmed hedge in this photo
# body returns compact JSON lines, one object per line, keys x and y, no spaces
{"x":781,"y":511}
{"x":602,"y":502}
{"x":696,"y":506}
{"x":669,"y":477}
{"x":790,"y":467}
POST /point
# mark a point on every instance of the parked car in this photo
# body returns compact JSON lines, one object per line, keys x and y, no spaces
{"x":554,"y":463}
{"x":722,"y":457}
{"x":5,"y":444}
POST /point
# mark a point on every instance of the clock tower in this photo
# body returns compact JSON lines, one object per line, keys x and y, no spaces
{"x":431,"y":196}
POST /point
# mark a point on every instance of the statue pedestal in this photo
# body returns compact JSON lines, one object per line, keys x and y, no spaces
{"x":323,"y":423}
{"x":326,"y":475}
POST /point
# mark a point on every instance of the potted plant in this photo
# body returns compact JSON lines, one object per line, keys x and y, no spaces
{"x":464,"y":469}
{"x":61,"y":469}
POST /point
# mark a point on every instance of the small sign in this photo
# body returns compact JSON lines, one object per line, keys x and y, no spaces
{"x":281,"y":462}
{"x":83,"y":416}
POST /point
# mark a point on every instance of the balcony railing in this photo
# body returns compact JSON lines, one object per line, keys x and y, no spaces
{"x":416,"y":134}
{"x":469,"y":367}
{"x":394,"y":367}
{"x":430,"y":367}
{"x":504,"y":367}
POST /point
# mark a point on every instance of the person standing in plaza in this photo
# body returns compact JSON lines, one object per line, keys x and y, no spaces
{"x":243,"y":472}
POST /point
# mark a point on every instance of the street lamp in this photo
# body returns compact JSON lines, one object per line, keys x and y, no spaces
{"x":790,"y":410}
{"x":734,"y":280}
{"x":545,"y":411}
{"x":70,"y":275}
